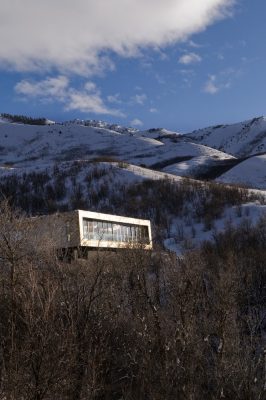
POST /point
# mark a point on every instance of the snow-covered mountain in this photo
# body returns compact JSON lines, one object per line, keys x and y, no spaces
{"x":109,"y":168}
{"x":241,"y":140}
{"x":221,"y":152}
{"x":250,"y":172}
{"x":27,"y":145}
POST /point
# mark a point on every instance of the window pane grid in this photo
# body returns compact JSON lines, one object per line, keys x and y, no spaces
{"x":115,"y":232}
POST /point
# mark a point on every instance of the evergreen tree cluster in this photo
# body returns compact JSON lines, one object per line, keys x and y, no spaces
{"x":24,"y":119}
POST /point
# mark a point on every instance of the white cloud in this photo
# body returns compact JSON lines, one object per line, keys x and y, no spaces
{"x":48,"y":88}
{"x":153,"y":110}
{"x":215,"y":84}
{"x":211,"y":86}
{"x":160,"y":79}
{"x":89,"y":102}
{"x":136,"y":122}
{"x":58,"y":89}
{"x":187,"y":82}
{"x":76,"y":35}
{"x":220,"y":57}
{"x":114,"y":99}
{"x":139,"y":98}
{"x":191,"y":43}
{"x":190,"y":58}
{"x":187,"y":72}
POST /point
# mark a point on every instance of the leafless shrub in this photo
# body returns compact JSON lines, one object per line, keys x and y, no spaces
{"x":132,"y":324}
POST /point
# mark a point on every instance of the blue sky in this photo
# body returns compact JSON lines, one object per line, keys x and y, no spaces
{"x":176,"y":64}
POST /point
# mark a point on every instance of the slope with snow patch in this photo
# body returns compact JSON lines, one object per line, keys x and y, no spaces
{"x":182,"y":155}
{"x":25,"y":145}
{"x":248,"y":214}
{"x":242,"y":139}
{"x":251,"y":173}
{"x":101,"y":186}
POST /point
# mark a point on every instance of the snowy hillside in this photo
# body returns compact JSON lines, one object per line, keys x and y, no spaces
{"x":242,"y":139}
{"x":23,"y":144}
{"x":197,"y":155}
{"x":251,"y":173}
{"x":29,"y":145}
{"x":184,"y":213}
{"x":102,"y":167}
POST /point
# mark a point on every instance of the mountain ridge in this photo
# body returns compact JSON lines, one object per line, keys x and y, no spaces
{"x":209,"y":153}
{"x":240,"y":139}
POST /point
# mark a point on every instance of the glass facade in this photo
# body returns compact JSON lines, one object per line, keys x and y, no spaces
{"x":114,"y":232}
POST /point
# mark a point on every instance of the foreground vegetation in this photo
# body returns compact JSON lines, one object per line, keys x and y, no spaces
{"x":133,"y":324}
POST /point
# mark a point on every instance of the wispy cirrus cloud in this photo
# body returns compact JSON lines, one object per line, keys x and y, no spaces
{"x":215,"y":84}
{"x":211,"y":86}
{"x":191,"y":43}
{"x":190,"y":58}
{"x":114,"y":98}
{"x":136,"y":122}
{"x":79,"y":36}
{"x":222,"y":80}
{"x":139,"y":99}
{"x":51,"y":89}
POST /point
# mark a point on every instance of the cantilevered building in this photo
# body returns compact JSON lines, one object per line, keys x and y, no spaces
{"x":87,"y":230}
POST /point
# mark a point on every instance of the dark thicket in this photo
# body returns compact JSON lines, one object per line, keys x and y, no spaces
{"x":132,"y":325}
{"x":99,"y":190}
{"x":24,"y":119}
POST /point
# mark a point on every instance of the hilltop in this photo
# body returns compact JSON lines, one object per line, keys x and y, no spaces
{"x":109,"y":168}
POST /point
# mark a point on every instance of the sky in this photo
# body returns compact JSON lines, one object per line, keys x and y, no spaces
{"x":177,"y":64}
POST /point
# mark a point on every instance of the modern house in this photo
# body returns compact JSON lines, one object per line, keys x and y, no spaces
{"x":79,"y":230}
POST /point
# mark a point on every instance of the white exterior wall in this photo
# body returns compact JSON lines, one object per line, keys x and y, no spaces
{"x":65,"y":230}
{"x":111,"y":218}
